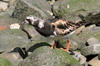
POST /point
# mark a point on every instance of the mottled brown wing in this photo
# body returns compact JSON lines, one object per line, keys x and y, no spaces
{"x":63,"y":27}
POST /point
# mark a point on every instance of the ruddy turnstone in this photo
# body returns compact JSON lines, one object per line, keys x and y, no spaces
{"x":54,"y":28}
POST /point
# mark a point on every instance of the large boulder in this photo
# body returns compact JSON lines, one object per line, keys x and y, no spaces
{"x":4,"y":62}
{"x":9,"y":39}
{"x":70,"y":9}
{"x":43,"y":55}
{"x":40,"y":8}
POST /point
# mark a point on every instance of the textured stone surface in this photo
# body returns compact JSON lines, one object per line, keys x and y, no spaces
{"x":95,"y":49}
{"x":92,"y":41}
{"x":10,"y":39}
{"x":44,"y":55}
{"x":70,"y":9}
{"x":24,"y":8}
{"x":94,"y":62}
{"x":3,"y":6}
{"x":14,"y":58}
{"x":4,"y":62}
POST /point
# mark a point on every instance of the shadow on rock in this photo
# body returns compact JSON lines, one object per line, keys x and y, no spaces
{"x":32,"y":48}
{"x":22,"y":52}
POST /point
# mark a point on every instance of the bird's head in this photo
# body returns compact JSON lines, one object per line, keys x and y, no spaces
{"x":31,"y":19}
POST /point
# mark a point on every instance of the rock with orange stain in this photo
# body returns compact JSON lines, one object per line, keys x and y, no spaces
{"x":2,"y":27}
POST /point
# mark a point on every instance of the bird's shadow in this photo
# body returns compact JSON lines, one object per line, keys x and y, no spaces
{"x":37,"y":45}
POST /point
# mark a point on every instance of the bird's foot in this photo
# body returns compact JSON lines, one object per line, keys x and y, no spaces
{"x":66,"y":50}
{"x":52,"y":47}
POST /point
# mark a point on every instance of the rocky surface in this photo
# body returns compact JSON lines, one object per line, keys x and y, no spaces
{"x":3,"y":6}
{"x":26,"y":47}
{"x":4,"y":62}
{"x":28,"y":7}
{"x":49,"y":57}
{"x":70,"y":10}
{"x":10,"y":39}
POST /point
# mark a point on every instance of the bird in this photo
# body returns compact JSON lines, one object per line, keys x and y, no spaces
{"x":54,"y":29}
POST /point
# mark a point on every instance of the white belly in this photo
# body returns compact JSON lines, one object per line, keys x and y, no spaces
{"x":58,"y":37}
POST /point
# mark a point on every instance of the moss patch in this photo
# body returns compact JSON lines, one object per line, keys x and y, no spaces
{"x":4,"y":62}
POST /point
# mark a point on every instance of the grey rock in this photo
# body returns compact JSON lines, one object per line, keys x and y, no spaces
{"x":14,"y":58}
{"x":6,"y":20}
{"x":70,"y":10}
{"x":10,"y":39}
{"x":92,"y":41}
{"x":5,"y":1}
{"x":40,"y":8}
{"x":3,"y":6}
{"x":79,"y":57}
{"x":74,"y":45}
{"x":87,"y":50}
{"x":5,"y":62}
{"x":45,"y":56}
{"x":95,"y":49}
{"x":94,"y":62}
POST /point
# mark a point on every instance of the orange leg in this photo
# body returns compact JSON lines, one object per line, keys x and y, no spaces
{"x":68,"y":45}
{"x":53,"y":46}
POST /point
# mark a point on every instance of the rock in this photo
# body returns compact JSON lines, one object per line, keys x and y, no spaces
{"x":79,"y":57}
{"x":63,"y":43}
{"x":94,"y":62}
{"x":95,"y":49}
{"x":96,"y":28}
{"x":74,"y":46}
{"x":92,"y":41}
{"x":4,"y":62}
{"x":14,"y":58}
{"x":32,"y":7}
{"x":5,"y":0}
{"x":15,"y":26}
{"x":6,"y":20}
{"x":70,"y":10}
{"x":87,"y":50}
{"x":84,"y":36}
{"x":12,"y":2}
{"x":45,"y":56}
{"x":3,"y":6}
{"x":10,"y":39}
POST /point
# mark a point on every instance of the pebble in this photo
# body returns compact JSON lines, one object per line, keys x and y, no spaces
{"x":3,"y":6}
{"x":15,"y":26}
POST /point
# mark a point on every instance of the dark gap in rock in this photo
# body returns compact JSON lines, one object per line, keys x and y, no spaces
{"x":1,"y":52}
{"x":88,"y":25}
{"x":22,"y":52}
{"x":86,"y":44}
{"x":89,"y":57}
{"x":98,"y":24}
{"x":89,"y":65}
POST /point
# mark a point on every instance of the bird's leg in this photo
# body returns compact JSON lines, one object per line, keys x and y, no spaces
{"x":68,"y":45}
{"x":53,"y":46}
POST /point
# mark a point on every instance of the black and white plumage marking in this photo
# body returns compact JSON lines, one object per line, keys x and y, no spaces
{"x":52,"y":28}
